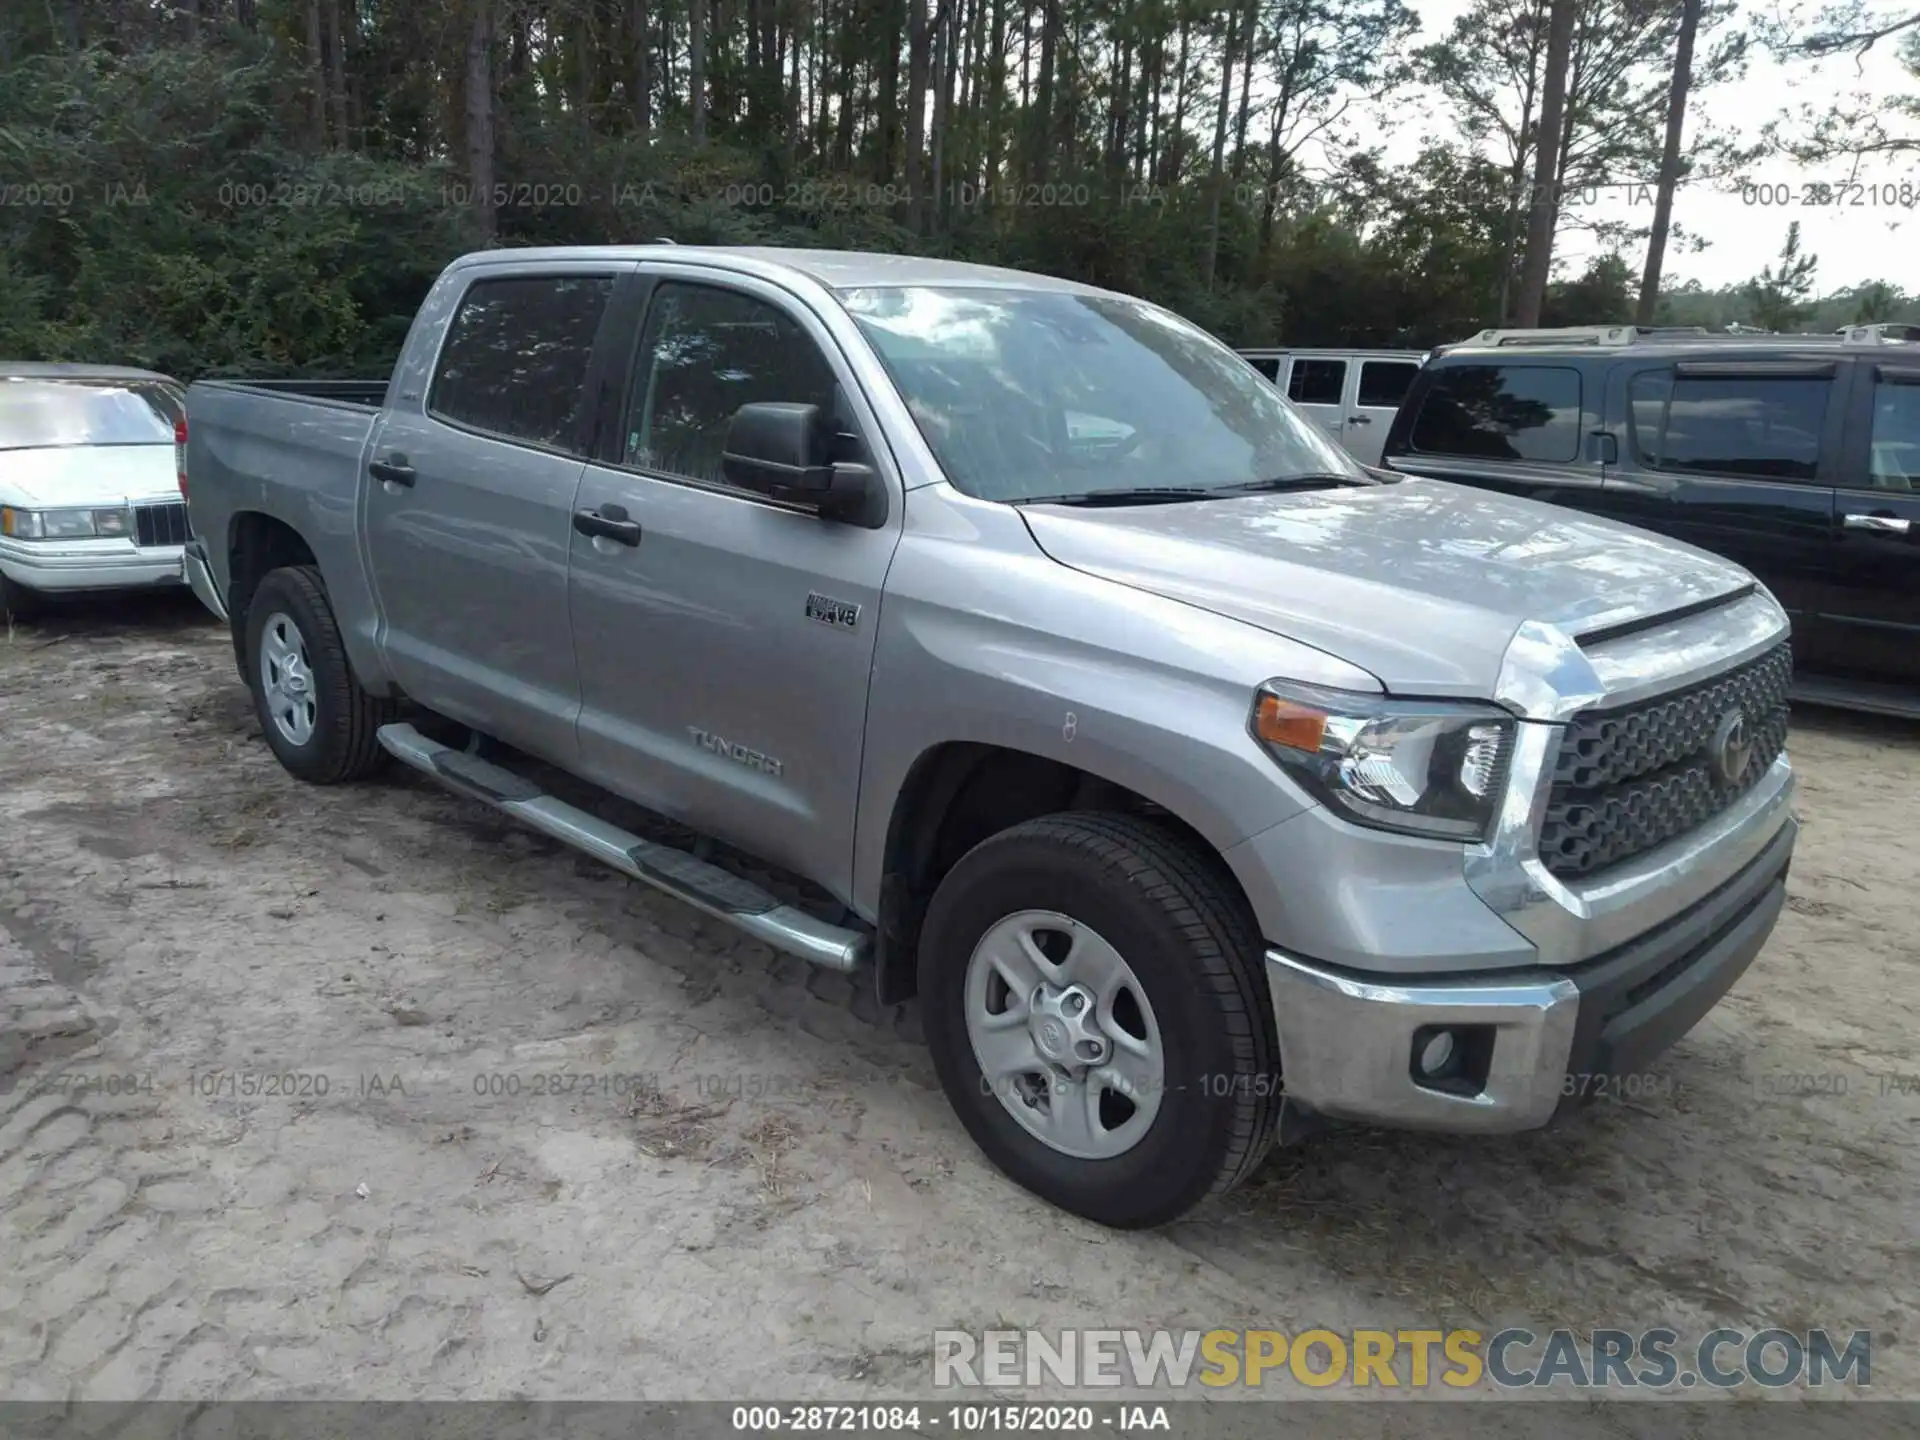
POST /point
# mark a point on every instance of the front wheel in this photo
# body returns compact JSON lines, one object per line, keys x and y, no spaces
{"x":317,"y":720}
{"x":1092,"y":995}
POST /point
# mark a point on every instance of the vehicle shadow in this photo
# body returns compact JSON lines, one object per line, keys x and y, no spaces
{"x":152,"y":614}
{"x":1873,"y":729}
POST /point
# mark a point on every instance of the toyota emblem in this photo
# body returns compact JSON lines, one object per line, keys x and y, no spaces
{"x":1732,"y":747}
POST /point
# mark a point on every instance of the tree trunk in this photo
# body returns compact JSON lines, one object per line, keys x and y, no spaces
{"x":1669,"y":163}
{"x":480,"y":111}
{"x":1040,"y":131}
{"x":1544,"y":208}
{"x":1217,"y":181}
{"x":918,"y":38}
{"x":697,"y":67}
{"x":316,"y":76}
{"x":996,"y":91}
{"x":1170,"y":157}
{"x":642,"y":62}
{"x":191,"y":10}
{"x":1250,"y":43}
{"x":337,"y":73}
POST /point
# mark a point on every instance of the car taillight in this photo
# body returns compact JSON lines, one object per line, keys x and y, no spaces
{"x":180,"y":454}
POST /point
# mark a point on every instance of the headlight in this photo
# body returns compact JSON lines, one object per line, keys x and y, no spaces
{"x":1418,"y":767}
{"x":63,"y":524}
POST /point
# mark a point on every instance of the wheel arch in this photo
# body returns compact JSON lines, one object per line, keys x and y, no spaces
{"x":956,"y":794}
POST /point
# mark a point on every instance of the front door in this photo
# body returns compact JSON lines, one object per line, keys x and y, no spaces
{"x":1873,"y":602}
{"x":469,"y":499}
{"x":1737,"y":457}
{"x":725,"y":641}
{"x":1318,"y":388}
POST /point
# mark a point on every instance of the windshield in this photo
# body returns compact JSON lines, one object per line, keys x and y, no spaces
{"x":1029,"y":393}
{"x":34,"y":413}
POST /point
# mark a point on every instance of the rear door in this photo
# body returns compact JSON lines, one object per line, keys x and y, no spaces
{"x":1738,"y":457}
{"x":469,"y":504}
{"x":1378,"y":386}
{"x":1317,"y":385}
{"x":1872,"y":609}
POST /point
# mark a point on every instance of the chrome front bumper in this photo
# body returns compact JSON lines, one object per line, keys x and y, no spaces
{"x":1541,"y":1040}
{"x":56,"y":567}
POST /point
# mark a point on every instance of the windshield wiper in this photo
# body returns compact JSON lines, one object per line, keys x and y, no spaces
{"x":1313,"y":480}
{"x":1138,"y":495}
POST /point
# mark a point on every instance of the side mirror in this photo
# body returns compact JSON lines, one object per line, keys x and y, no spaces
{"x":785,"y":451}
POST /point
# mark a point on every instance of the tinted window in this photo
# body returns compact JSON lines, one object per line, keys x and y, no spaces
{"x":706,"y":352}
{"x":1384,"y":382}
{"x":1762,"y":425}
{"x":1023,"y":392}
{"x":1317,"y":382}
{"x":1896,"y":436}
{"x":1268,"y":366}
{"x":1501,"y":412}
{"x":515,"y":359}
{"x":86,"y":412}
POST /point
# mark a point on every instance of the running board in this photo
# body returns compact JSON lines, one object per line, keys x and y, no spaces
{"x":707,"y":888}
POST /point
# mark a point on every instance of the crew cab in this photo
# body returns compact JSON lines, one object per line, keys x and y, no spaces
{"x":1013,"y":645}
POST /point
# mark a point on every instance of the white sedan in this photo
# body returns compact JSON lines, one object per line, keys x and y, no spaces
{"x":90,"y":493}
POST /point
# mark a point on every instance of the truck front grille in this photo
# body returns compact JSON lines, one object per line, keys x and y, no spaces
{"x":163,"y":524}
{"x":1627,"y":780}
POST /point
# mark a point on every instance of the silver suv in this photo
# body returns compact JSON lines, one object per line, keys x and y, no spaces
{"x":1015,"y":643}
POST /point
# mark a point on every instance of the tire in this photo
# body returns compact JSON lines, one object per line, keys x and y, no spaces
{"x":1189,"y":944}
{"x":18,"y":602}
{"x":291,"y":633}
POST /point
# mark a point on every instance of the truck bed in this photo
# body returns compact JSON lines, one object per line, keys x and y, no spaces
{"x":366,"y":394}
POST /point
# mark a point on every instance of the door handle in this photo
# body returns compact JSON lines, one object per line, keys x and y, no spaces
{"x":1878,"y":524}
{"x":392,"y":471}
{"x":605,"y":526}
{"x":1359,"y":419}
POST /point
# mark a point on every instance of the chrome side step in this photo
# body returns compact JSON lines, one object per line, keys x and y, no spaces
{"x":707,"y":888}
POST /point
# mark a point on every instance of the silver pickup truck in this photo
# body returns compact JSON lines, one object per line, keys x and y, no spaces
{"x":1044,"y":664}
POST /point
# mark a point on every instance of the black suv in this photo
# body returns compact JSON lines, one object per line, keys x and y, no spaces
{"x":1797,"y":456}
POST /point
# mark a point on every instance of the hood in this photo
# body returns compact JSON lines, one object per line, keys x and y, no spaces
{"x":56,"y":475}
{"x":1420,"y":582}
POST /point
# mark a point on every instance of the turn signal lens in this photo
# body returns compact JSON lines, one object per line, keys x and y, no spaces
{"x":1280,"y":721}
{"x":180,"y":454}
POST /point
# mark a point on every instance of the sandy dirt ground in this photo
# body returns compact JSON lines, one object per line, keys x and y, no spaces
{"x":363,"y":1093}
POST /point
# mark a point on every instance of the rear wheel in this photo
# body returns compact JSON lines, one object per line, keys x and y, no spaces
{"x":1092,"y":995}
{"x":315,"y":716}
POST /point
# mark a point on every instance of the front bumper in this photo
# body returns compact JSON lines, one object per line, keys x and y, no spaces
{"x":1533,"y":1042}
{"x":60,"y":567}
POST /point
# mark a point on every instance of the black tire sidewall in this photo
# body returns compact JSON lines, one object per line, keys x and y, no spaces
{"x":323,"y":757}
{"x":1176,"y":1164}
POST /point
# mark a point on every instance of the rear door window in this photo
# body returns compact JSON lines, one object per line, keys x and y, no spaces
{"x":515,"y":359}
{"x":1383,"y":383}
{"x":1317,"y":382}
{"x":1501,"y":412}
{"x":1895,"y":462}
{"x":1764,"y":426}
{"x":1267,"y":365}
